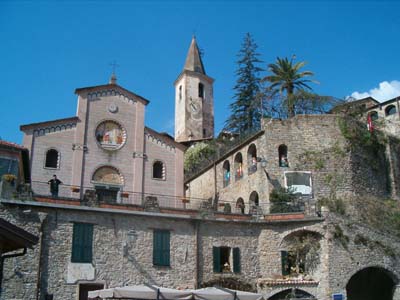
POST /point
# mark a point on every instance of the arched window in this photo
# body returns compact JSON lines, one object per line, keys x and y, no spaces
{"x":238,"y":166}
{"x":52,"y":159}
{"x":108,"y":183}
{"x":254,"y":199}
{"x":201,"y":90}
{"x":390,"y":110}
{"x":158,"y":170}
{"x":227,"y":173}
{"x":252,"y":159}
{"x":240,"y":205}
{"x":180,"y":92}
{"x":282,"y":151}
{"x":374,"y":115}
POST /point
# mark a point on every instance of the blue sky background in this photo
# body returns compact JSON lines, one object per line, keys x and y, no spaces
{"x":49,"y":48}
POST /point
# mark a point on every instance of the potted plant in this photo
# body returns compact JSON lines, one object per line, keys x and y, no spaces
{"x":185,"y":200}
{"x":125,"y":195}
{"x":10,"y":178}
{"x":75,"y":189}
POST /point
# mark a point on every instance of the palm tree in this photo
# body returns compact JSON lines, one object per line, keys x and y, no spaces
{"x":287,"y":79}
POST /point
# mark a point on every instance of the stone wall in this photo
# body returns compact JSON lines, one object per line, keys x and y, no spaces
{"x":123,"y":242}
{"x":340,"y":165}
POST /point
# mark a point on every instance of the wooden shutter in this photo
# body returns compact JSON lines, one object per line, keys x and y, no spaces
{"x":82,"y":243}
{"x":161,"y":248}
{"x":236,"y":260}
{"x":217,"y":260}
{"x":284,"y":260}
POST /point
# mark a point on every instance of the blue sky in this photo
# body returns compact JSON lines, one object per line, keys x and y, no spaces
{"x":49,"y":48}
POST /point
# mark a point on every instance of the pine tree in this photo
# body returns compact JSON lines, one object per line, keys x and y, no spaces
{"x":246,"y":108}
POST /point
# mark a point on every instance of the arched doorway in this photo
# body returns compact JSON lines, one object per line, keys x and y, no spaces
{"x":371,"y":283}
{"x":292,"y":294}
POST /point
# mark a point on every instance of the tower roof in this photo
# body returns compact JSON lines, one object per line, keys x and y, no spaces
{"x":193,"y":59}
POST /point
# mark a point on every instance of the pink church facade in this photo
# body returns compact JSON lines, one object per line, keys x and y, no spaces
{"x":107,"y":148}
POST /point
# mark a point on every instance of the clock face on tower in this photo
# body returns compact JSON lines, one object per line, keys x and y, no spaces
{"x":194,"y":108}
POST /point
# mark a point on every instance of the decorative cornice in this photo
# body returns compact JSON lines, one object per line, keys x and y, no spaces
{"x":52,"y":129}
{"x":164,"y":139}
{"x":287,"y":282}
{"x":48,"y":124}
{"x":110,"y":92}
{"x":107,"y":89}
{"x":156,"y":140}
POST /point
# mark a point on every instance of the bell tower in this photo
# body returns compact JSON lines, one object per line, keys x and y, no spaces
{"x":194,"y":100}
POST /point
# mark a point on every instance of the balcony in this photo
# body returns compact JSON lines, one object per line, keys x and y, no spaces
{"x":113,"y":198}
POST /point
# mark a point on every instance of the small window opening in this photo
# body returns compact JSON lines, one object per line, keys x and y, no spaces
{"x":252,"y":159}
{"x":204,"y":132}
{"x":283,"y":161}
{"x":226,"y":259}
{"x":180,"y":92}
{"x":52,"y":159}
{"x":238,"y":166}
{"x":240,"y":205}
{"x":390,"y":110}
{"x":374,"y":115}
{"x":227,"y":173}
{"x":201,"y":90}
{"x":158,"y":170}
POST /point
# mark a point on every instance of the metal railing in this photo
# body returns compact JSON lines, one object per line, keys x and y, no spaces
{"x":153,"y":201}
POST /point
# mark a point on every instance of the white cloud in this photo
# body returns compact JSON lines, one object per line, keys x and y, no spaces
{"x":385,"y":91}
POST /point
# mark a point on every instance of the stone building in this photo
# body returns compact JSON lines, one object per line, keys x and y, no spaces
{"x":315,"y":155}
{"x":194,"y":100}
{"x":125,"y":216}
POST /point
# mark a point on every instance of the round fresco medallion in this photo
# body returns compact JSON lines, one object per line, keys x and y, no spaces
{"x":110,"y":135}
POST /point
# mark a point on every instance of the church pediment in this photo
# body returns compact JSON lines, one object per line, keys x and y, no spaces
{"x":111,"y":90}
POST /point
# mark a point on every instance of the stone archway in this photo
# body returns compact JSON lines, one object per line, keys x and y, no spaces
{"x":292,"y":294}
{"x":370,"y":284}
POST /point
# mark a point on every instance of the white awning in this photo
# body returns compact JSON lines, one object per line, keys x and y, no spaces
{"x":140,"y":292}
{"x":213,"y":293}
{"x":152,"y":292}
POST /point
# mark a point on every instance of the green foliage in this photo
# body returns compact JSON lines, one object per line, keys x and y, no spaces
{"x":370,"y":146}
{"x":198,"y":154}
{"x":289,"y":82}
{"x":282,"y":201}
{"x":227,"y":208}
{"x":304,"y":248}
{"x":246,"y":110}
{"x":339,"y":235}
{"x":335,"y":205}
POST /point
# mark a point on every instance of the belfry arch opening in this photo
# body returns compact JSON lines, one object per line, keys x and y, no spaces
{"x":370,"y":284}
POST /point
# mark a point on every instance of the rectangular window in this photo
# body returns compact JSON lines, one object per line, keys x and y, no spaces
{"x":226,"y":259}
{"x":85,"y":288}
{"x":82,"y":243}
{"x":299,"y":182}
{"x":107,"y":194}
{"x":161,"y":247}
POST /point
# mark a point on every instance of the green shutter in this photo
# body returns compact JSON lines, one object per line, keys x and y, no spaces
{"x":161,"y":248}
{"x":217,"y":260}
{"x":236,"y":260}
{"x":166,"y":248}
{"x":284,"y":260}
{"x":156,"y":248}
{"x":82,"y":243}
